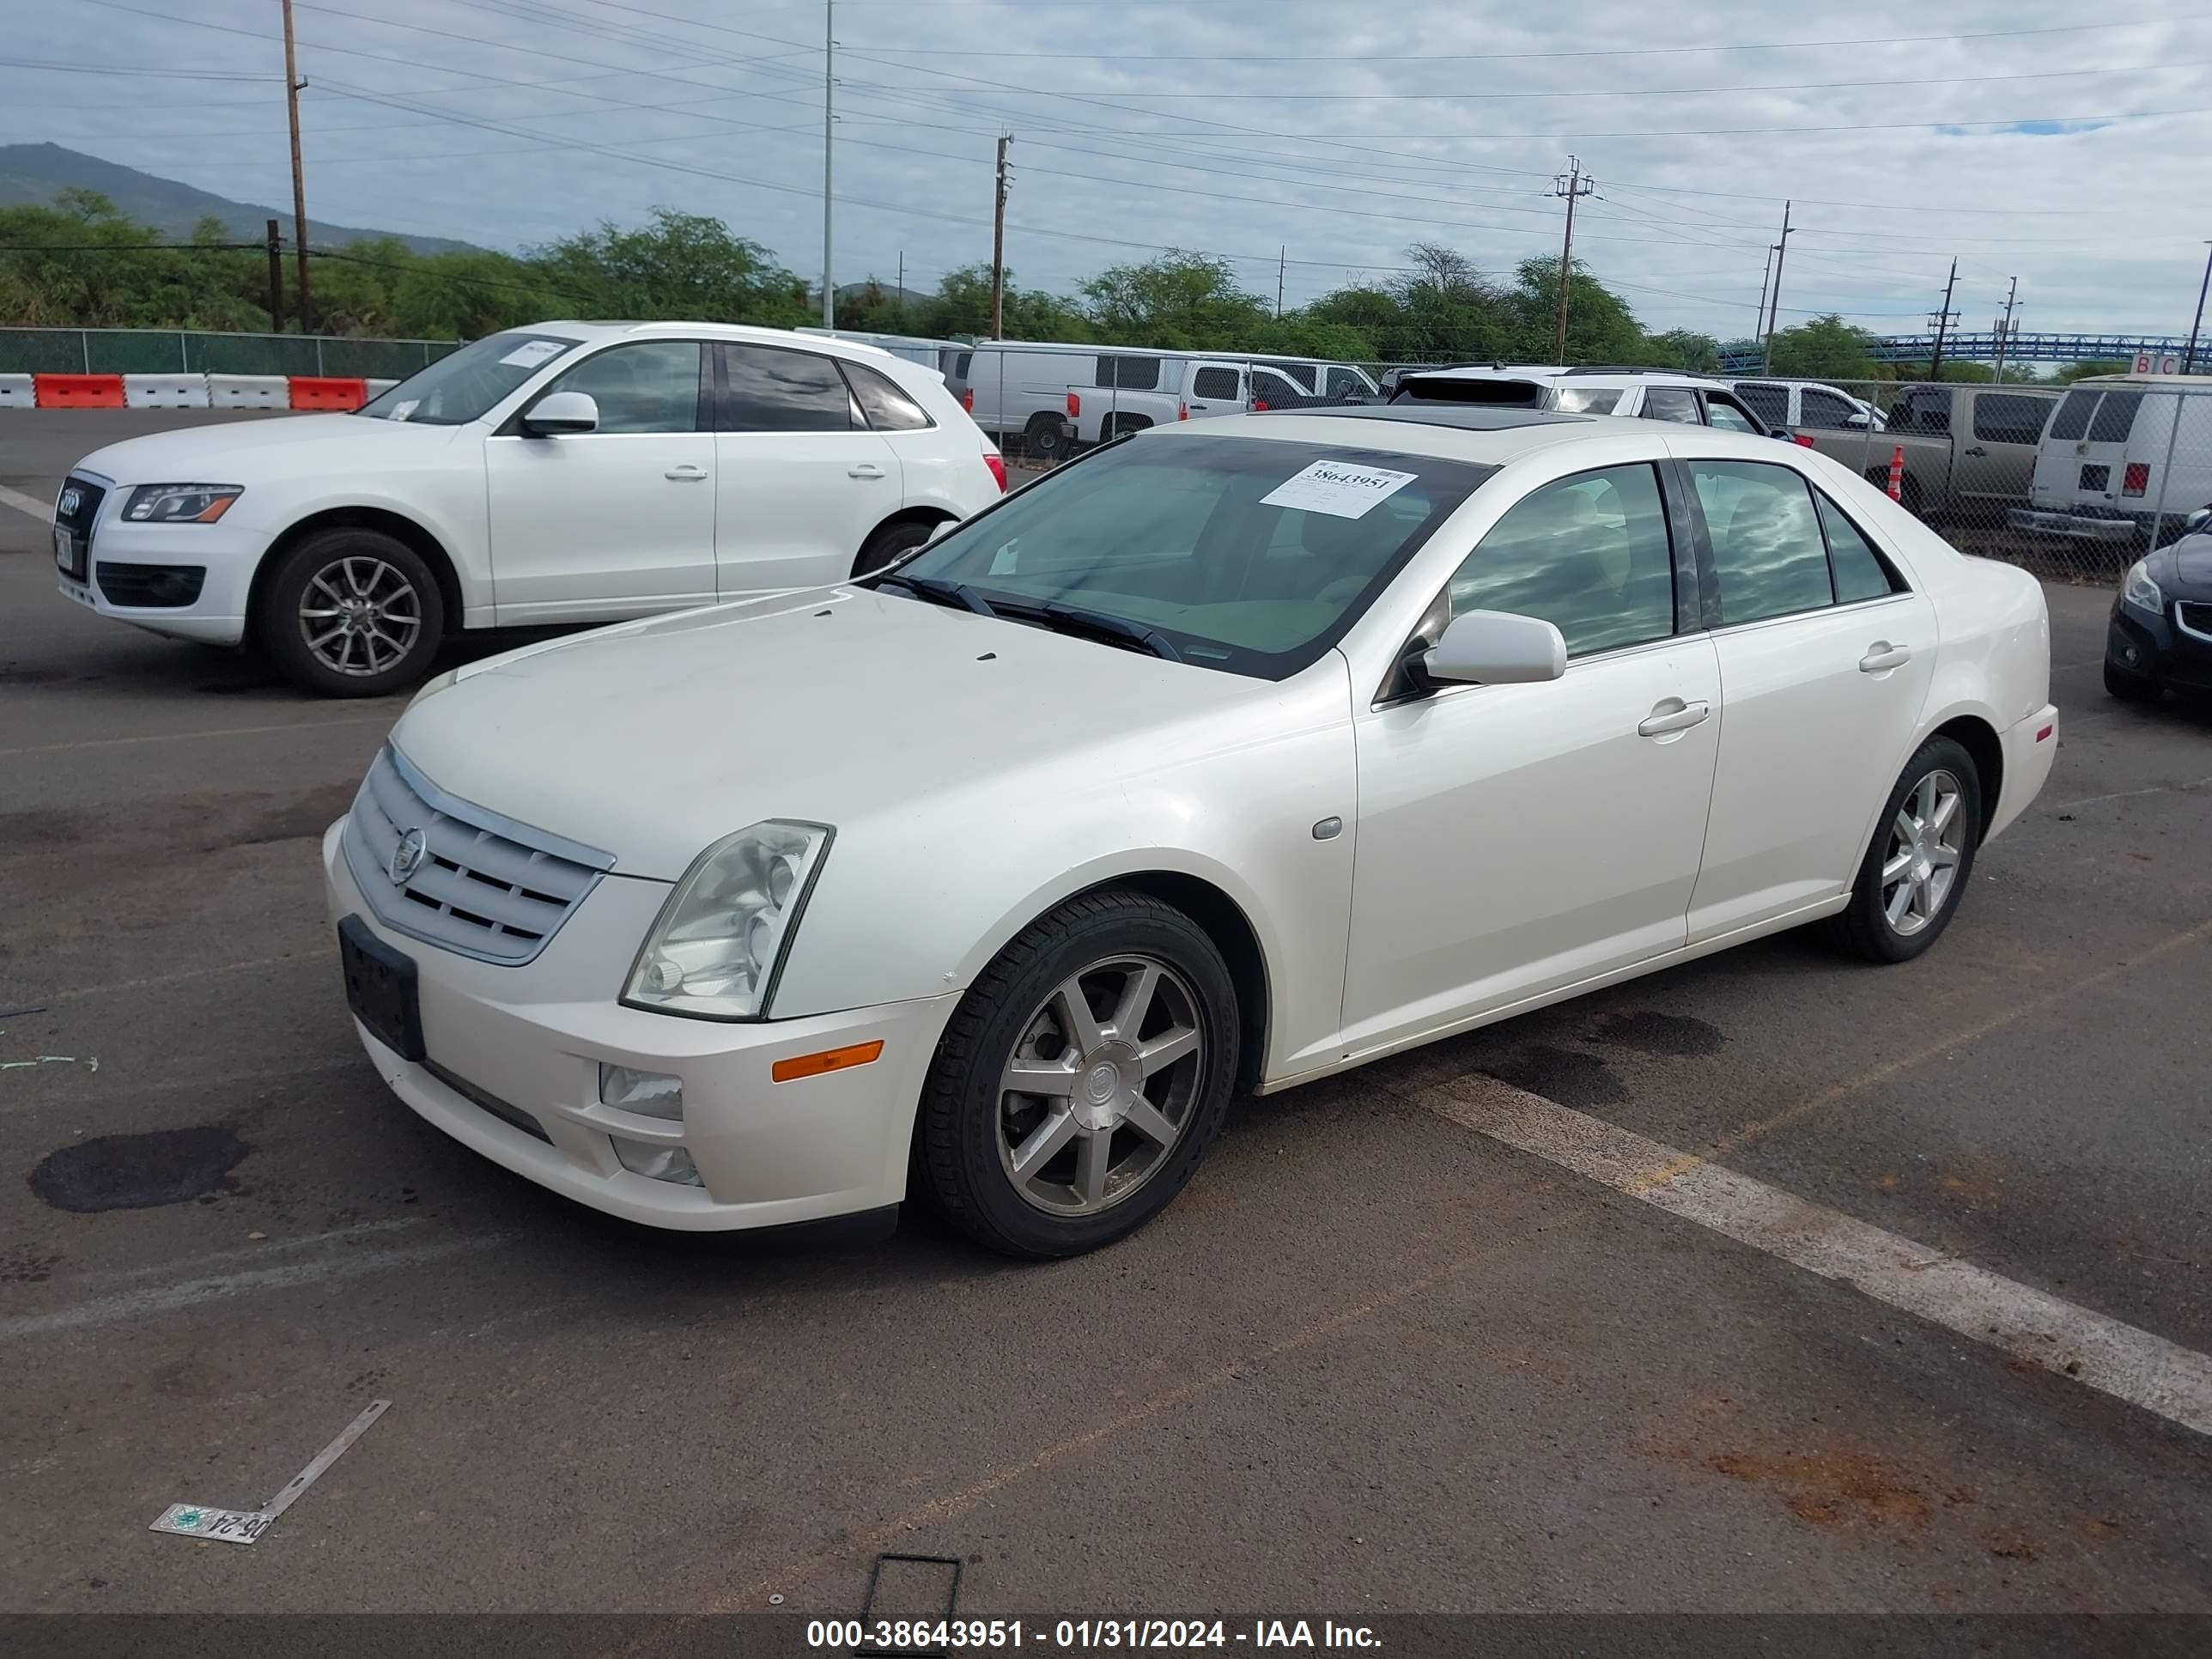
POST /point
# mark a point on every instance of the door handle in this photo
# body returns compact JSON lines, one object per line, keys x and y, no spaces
{"x":1883,"y":656}
{"x":686,"y":474}
{"x":1978,"y":450}
{"x":866,"y":469}
{"x":1680,"y":718}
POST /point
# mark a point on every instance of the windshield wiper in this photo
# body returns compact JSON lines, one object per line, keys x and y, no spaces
{"x":938,"y":591}
{"x":1074,"y":619}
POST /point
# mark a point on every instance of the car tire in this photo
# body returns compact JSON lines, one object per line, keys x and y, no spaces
{"x":2130,"y":688}
{"x":1895,"y":913}
{"x":380,"y":583}
{"x":1049,"y":439}
{"x":888,"y":543}
{"x":1096,"y":1175}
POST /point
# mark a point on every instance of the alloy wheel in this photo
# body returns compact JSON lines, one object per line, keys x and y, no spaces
{"x":1101,"y":1086}
{"x":360,"y":616}
{"x":1927,"y":838}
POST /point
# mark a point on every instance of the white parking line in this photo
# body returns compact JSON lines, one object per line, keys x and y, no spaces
{"x":386,"y":718}
{"x":42,"y":511}
{"x":134,"y":1304}
{"x":2117,"y":1358}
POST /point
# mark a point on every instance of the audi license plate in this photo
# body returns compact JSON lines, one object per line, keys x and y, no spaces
{"x":381,"y":990}
{"x":68,"y":553}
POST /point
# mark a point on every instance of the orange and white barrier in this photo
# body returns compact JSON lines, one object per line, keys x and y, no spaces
{"x":18,"y":391}
{"x":249,"y":392}
{"x":78,"y":390}
{"x":165,"y":391}
{"x":327,"y":392}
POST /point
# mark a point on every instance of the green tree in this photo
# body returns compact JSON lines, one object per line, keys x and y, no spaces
{"x":1179,"y":302}
{"x":677,"y":264}
{"x":1825,"y":348}
{"x":2069,"y":372}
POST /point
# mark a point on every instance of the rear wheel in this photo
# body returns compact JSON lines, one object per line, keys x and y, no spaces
{"x":888,"y":543}
{"x":1081,"y":1079}
{"x":351,"y":612}
{"x":1049,"y":439}
{"x":1917,"y":868}
{"x":2130,"y":688}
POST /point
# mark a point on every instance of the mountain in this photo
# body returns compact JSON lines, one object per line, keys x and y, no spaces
{"x":32,"y":175}
{"x":907,"y":296}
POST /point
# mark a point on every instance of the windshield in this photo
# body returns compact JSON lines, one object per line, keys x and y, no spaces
{"x":463,"y":386}
{"x":1247,"y":554}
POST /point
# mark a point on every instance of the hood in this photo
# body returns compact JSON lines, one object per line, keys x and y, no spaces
{"x":652,"y":740}
{"x":241,"y":452}
{"x":2184,"y":569}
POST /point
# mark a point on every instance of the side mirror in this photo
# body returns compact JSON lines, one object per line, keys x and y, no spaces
{"x":937,"y":530}
{"x":1496,"y":647}
{"x":561,"y":411}
{"x":2197,"y":522}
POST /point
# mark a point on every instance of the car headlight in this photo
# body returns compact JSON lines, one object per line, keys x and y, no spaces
{"x":2140,"y":590}
{"x":719,"y":942}
{"x":180,"y":503}
{"x":431,"y":687}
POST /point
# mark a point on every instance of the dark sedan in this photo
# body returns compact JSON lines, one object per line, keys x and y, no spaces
{"x":2160,"y":634}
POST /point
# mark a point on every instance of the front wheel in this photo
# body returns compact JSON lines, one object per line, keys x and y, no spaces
{"x":1081,"y":1078}
{"x":1917,"y":868}
{"x":351,"y":613}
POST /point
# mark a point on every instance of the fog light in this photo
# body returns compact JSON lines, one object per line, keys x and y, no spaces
{"x":658,"y":1162}
{"x":649,"y":1094}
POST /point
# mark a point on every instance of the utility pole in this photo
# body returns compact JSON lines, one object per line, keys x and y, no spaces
{"x":829,"y":116}
{"x":2189,"y":358}
{"x":1758,"y":316}
{"x":2004,"y":328}
{"x":275,"y":280}
{"x":1774,"y":299}
{"x":1571,"y":186}
{"x":1943,"y":321}
{"x":1282,"y":263}
{"x":902,"y":282}
{"x":999,"y":244}
{"x":292,"y":85}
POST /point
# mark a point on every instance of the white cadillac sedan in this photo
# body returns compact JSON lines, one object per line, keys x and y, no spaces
{"x":565,"y":473}
{"x":1235,"y":754}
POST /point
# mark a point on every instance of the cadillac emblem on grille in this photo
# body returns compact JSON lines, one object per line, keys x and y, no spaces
{"x":407,"y":857}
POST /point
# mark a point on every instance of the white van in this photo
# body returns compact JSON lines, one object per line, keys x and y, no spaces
{"x":914,"y":347}
{"x":2113,"y":465}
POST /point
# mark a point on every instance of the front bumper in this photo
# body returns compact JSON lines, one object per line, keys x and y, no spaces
{"x":2030,"y":746}
{"x":2073,"y":526}
{"x":228,"y":553}
{"x":2156,"y":648}
{"x":532,"y":1039}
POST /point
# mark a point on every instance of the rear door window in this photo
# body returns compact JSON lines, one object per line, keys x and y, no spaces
{"x":1771,"y":403}
{"x":1722,"y":412}
{"x":1857,"y":570}
{"x":2072,"y":419}
{"x":1671,"y":403}
{"x":2004,"y":417}
{"x":1926,"y":409}
{"x":2115,"y":417}
{"x":1824,"y":409}
{"x":773,"y":390}
{"x":1219,"y":383}
{"x":1769,"y":556}
{"x":1586,"y":399}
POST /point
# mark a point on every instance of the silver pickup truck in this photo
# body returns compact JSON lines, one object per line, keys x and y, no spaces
{"x":1969,"y":449}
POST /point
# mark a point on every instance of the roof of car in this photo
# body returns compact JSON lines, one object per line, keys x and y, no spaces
{"x":1470,"y":417}
{"x":1550,"y":373}
{"x":1487,"y":436}
{"x":593,"y":332}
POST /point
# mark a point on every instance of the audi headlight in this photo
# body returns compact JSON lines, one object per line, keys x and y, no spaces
{"x":716,"y":949}
{"x":2140,"y":590}
{"x":180,"y":503}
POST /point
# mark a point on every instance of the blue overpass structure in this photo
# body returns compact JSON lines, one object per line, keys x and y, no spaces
{"x":1981,"y":347}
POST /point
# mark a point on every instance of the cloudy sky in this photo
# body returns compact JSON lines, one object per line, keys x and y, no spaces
{"x":2008,"y":133}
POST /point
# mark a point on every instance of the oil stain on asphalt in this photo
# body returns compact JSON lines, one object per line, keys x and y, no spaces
{"x":1648,"y":1031}
{"x":140,"y":1171}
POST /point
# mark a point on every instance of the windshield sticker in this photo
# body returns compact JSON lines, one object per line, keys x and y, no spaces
{"x":400,"y":411}
{"x":1007,"y":560}
{"x":1338,"y":488}
{"x":531,"y":353}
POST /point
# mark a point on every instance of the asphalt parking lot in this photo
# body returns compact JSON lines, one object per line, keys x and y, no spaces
{"x":1621,"y":1306}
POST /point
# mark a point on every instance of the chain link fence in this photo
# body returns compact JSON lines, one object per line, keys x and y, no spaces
{"x":2072,"y":482}
{"x":163,"y":351}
